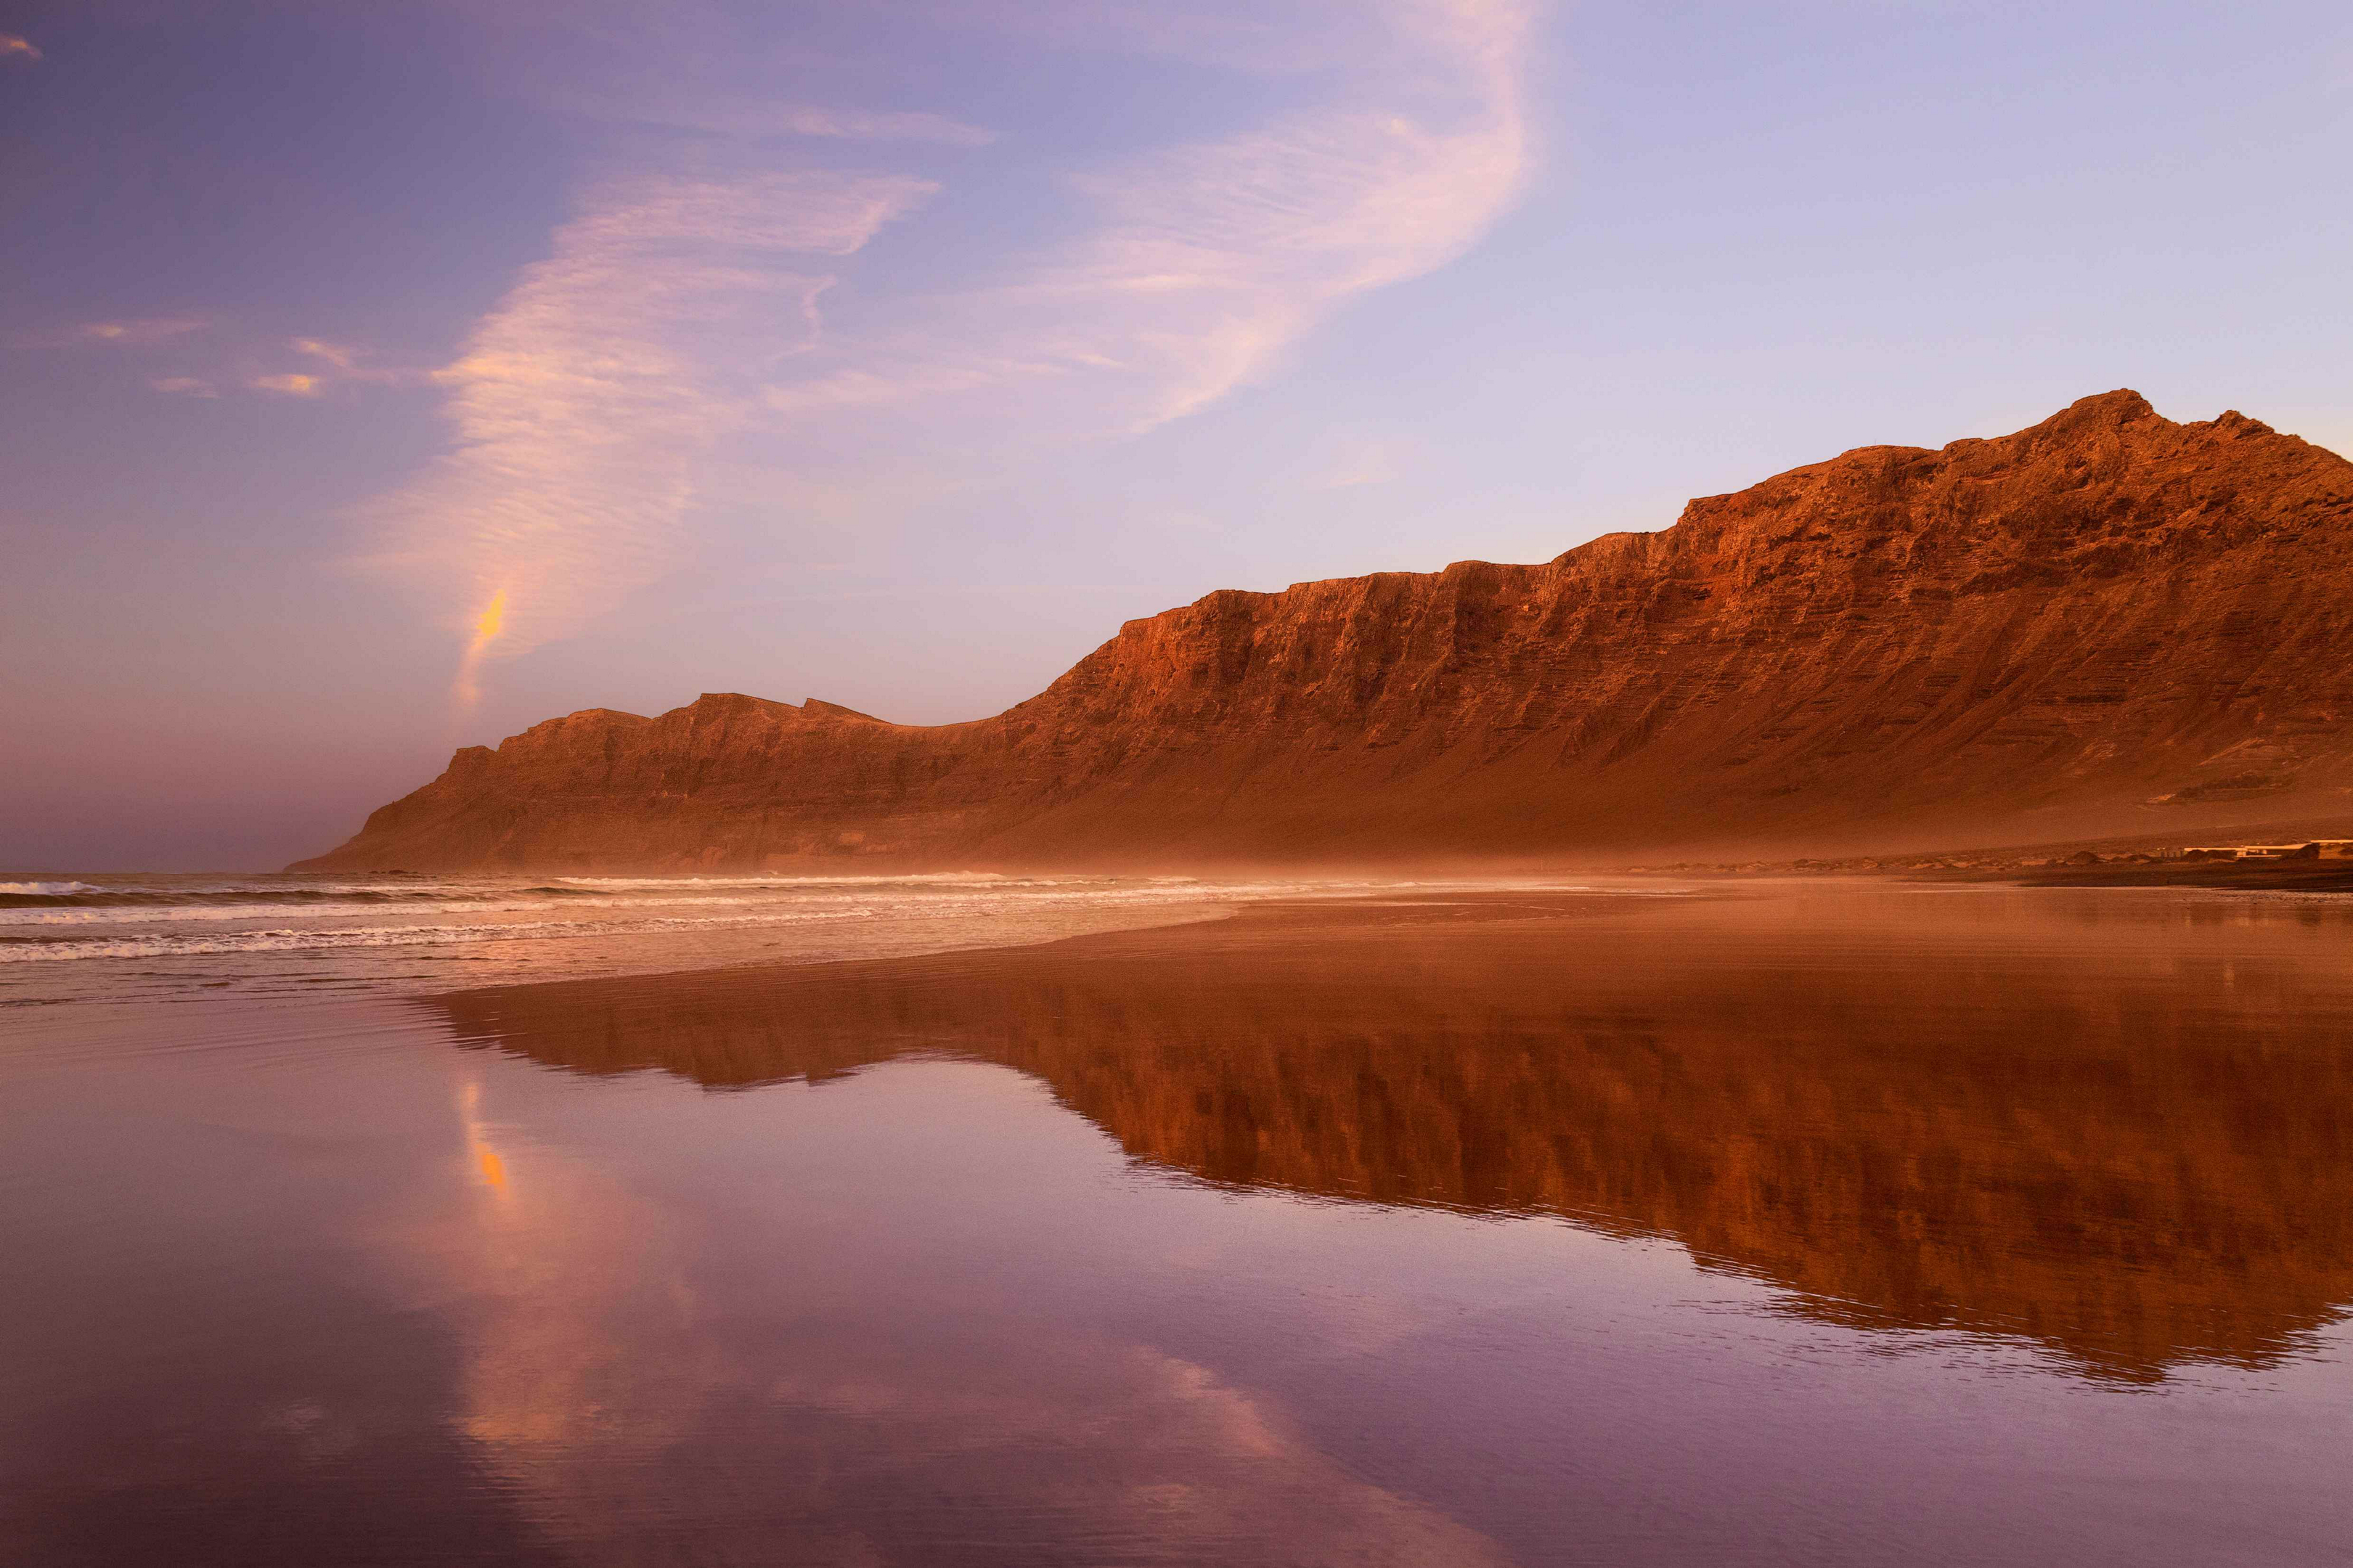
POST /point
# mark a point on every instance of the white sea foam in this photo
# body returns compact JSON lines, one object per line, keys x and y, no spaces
{"x":936,"y":897}
{"x":316,"y":932}
{"x":175,"y":938}
{"x":285,"y":941}
{"x":47,"y":890}
{"x":172,"y":914}
{"x":284,"y":938}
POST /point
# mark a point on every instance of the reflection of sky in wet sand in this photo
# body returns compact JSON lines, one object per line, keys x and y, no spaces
{"x":361,"y":1297}
{"x":933,"y":1308}
{"x":2114,"y":1128}
{"x":785,"y":1378}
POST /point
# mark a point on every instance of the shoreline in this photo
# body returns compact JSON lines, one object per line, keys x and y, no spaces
{"x":1239,"y":923}
{"x":2214,"y":876}
{"x":630,"y":959}
{"x":2220,"y":875}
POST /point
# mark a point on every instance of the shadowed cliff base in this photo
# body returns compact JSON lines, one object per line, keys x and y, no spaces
{"x":2109,"y":623}
{"x":2114,"y":1127}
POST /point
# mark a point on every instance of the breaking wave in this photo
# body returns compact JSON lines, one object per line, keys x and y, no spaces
{"x":88,"y":895}
{"x":137,"y":920}
{"x":23,"y":950}
{"x":152,"y":937}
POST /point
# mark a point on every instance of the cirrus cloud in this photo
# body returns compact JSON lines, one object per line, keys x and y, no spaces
{"x":586,"y":401}
{"x":137,"y":333}
{"x":678,"y":309}
{"x":1210,"y":259}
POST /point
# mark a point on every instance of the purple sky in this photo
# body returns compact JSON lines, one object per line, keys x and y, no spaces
{"x":387,"y":378}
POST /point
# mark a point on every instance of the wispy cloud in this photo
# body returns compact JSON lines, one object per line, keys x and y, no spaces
{"x":330,"y":365}
{"x":721,"y":67}
{"x":1213,"y":259}
{"x":341,"y":358}
{"x":153,"y":330}
{"x":15,"y":48}
{"x":290,"y":385}
{"x":321,"y":366}
{"x":753,"y":120}
{"x":678,"y":310}
{"x":586,"y":401}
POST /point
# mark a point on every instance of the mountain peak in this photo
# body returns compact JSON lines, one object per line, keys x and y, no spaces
{"x":2032,"y":636}
{"x":2122,"y":406}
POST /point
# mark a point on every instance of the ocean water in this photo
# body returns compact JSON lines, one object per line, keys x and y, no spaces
{"x":103,"y":938}
{"x":1739,"y":1225}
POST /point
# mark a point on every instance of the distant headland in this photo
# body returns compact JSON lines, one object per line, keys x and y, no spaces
{"x":2108,"y":625}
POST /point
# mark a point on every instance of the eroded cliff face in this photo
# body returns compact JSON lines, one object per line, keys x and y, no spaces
{"x":2108,"y":622}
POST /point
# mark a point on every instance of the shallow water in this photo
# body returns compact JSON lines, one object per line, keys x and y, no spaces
{"x":144,"y":937}
{"x":1818,"y":1225}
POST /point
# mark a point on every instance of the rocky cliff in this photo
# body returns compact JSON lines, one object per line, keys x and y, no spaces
{"x":2107,"y":622}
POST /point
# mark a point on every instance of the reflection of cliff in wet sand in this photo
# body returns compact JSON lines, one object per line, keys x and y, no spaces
{"x":2116,"y":1129}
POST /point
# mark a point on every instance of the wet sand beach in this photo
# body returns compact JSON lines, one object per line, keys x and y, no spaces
{"x":1833,"y":1223}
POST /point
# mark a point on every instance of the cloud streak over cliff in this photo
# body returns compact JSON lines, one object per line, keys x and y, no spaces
{"x":678,"y":309}
{"x":585,"y":401}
